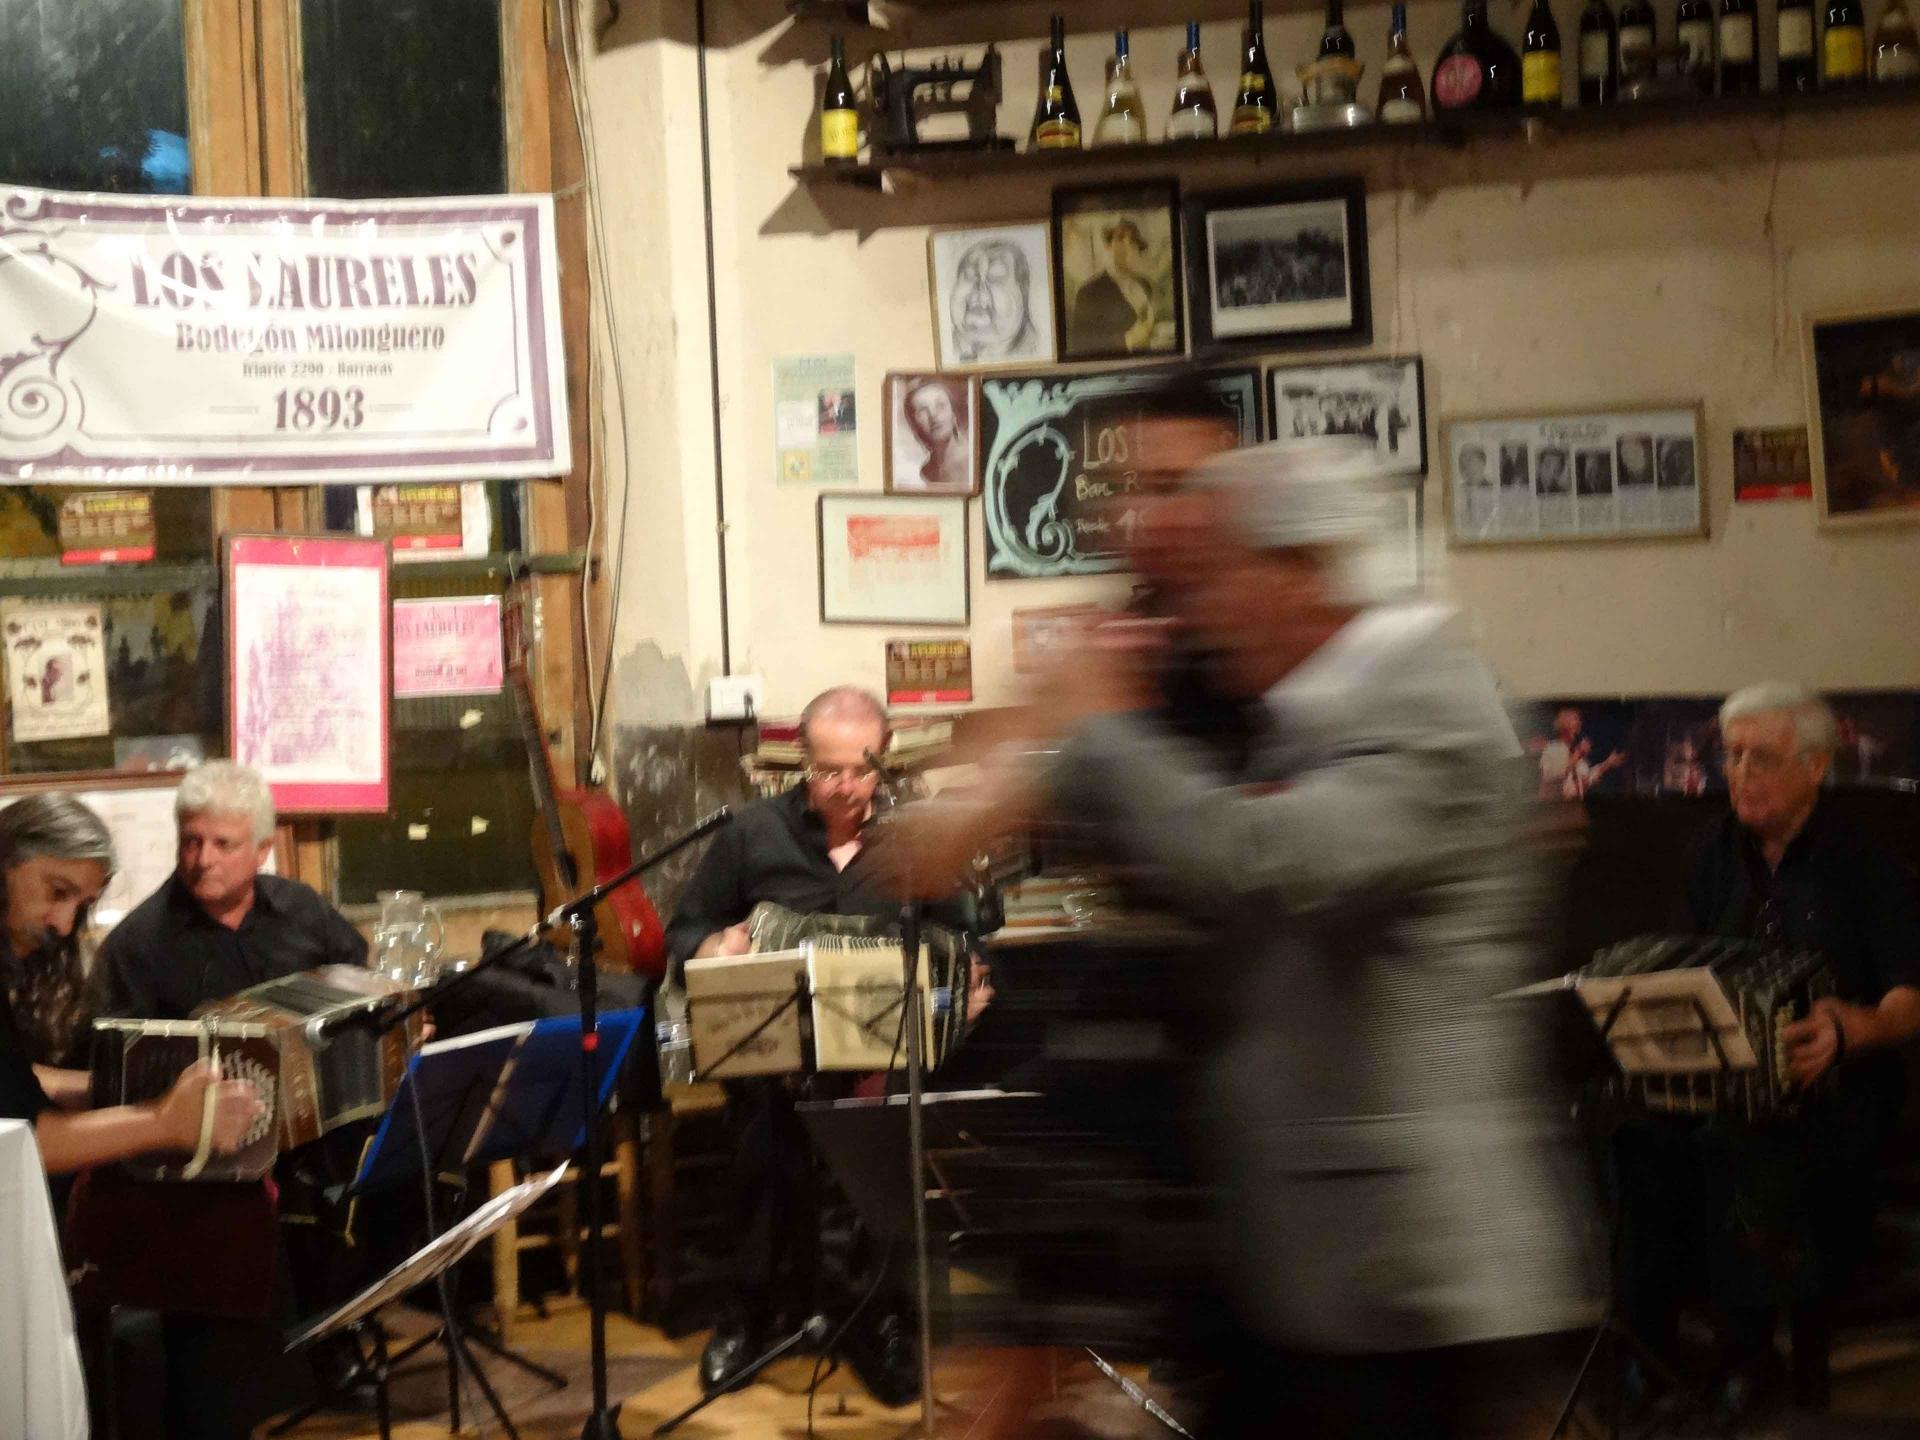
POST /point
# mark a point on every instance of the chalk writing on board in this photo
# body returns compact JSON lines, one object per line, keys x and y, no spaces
{"x":1063,"y":464}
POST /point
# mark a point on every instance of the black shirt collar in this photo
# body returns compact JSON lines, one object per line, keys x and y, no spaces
{"x":1810,"y":839}
{"x":184,"y":911}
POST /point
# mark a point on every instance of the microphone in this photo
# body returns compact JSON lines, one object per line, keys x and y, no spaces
{"x":889,"y":781}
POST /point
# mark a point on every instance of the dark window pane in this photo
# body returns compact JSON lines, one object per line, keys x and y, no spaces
{"x":165,"y":678}
{"x":30,"y":524}
{"x":462,"y":805}
{"x":403,"y":97}
{"x":93,"y":95}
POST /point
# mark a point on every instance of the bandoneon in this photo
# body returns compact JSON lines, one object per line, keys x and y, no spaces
{"x":1697,"y":1023}
{"x":298,"y":1039}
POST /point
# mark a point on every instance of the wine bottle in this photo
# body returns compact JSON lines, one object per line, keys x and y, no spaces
{"x":1403,"y":99}
{"x":1896,"y":49}
{"x":1056,"y":118}
{"x":1194,"y":116}
{"x":1636,"y":37}
{"x":1122,"y":121}
{"x":1540,"y":59}
{"x":1793,"y":45}
{"x":1334,"y":40}
{"x":1843,"y":49}
{"x":1256,"y":108}
{"x":1739,"y":64}
{"x":1693,"y":25}
{"x":1599,"y":55}
{"x":839,"y":111}
{"x":1477,"y":70}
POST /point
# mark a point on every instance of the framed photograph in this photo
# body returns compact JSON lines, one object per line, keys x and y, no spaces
{"x":1280,"y":266}
{"x":310,"y":669}
{"x":932,"y":435}
{"x":992,"y":292}
{"x":1383,"y":400}
{"x":1863,"y":407}
{"x":893,"y":559}
{"x":1117,"y":292}
{"x":1631,"y":473}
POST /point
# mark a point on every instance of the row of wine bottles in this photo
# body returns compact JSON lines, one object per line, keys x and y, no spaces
{"x":1716,"y":49}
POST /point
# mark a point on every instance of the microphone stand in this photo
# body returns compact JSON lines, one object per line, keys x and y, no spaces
{"x":910,"y":915}
{"x":603,"y":1421}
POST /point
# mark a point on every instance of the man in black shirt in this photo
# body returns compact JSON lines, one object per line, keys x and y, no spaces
{"x":1776,"y":1213}
{"x":218,"y":925}
{"x":803,"y":850}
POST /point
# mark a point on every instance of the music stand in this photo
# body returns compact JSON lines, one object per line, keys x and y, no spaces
{"x":429,"y":1263}
{"x":456,"y":1080}
{"x":1627,"y":1026}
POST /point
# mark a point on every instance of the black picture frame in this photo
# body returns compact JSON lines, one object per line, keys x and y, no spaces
{"x":1082,"y":326}
{"x":1314,"y":326}
{"x":1408,"y":371}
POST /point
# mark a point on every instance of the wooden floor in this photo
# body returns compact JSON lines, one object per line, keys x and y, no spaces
{"x":999,"y":1394}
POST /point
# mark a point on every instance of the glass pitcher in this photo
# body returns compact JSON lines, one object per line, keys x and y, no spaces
{"x":407,"y":942}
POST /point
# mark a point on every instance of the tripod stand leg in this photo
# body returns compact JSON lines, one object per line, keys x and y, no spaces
{"x":463,"y":1357}
{"x":493,"y":1345}
{"x":1579,"y":1381}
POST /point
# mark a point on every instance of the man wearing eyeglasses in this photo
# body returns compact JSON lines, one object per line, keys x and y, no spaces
{"x":1777,"y":1213}
{"x":804,"y":850}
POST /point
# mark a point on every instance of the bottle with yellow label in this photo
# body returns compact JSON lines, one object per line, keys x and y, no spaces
{"x":1843,"y":49}
{"x":1540,"y":59}
{"x":1896,"y":50}
{"x":1056,"y":118}
{"x":1256,"y":105}
{"x":839,"y":112}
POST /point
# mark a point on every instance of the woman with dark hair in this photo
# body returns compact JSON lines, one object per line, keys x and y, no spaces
{"x":55,"y":859}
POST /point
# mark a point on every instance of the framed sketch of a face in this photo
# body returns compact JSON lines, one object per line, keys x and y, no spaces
{"x":992,"y":296}
{"x":932,"y":440}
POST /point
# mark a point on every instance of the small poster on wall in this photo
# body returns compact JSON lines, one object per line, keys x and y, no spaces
{"x":929,"y":672}
{"x":447,"y":646}
{"x":1771,"y":464}
{"x":106,"y":527}
{"x":56,"y":670}
{"x":815,"y":430}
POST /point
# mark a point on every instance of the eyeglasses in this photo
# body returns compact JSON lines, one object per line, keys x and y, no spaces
{"x":1759,"y":762}
{"x":848,"y":775}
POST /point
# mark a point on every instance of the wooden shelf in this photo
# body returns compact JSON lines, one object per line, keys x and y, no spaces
{"x":1367,"y":142}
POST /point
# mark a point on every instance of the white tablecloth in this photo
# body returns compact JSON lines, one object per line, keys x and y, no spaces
{"x":42,"y":1393}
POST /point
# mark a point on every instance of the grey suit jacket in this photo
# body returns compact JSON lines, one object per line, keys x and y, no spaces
{"x":1375,"y":1124}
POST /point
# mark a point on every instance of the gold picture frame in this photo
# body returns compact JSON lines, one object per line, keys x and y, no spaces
{"x":1862,"y":372}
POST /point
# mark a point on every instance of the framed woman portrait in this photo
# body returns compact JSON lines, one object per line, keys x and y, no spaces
{"x":992,"y":290}
{"x":932,"y":438}
{"x":1116,"y":252}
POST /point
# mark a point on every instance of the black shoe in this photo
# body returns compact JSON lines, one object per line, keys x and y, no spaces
{"x":886,"y":1359}
{"x":733,"y":1346}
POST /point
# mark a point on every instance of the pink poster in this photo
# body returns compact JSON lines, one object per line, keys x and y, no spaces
{"x":447,"y":647}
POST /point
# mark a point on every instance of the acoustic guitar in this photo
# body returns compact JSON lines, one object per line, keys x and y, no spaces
{"x":581,"y":839}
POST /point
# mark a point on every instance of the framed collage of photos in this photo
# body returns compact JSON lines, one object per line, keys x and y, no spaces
{"x":1631,"y":473}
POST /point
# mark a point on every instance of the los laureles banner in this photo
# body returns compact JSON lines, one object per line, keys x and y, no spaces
{"x":156,"y":340}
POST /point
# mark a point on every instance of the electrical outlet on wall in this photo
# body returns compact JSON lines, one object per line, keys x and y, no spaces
{"x":734,"y":697}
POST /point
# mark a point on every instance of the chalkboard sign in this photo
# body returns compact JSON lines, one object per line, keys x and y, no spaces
{"x":1059,"y":456}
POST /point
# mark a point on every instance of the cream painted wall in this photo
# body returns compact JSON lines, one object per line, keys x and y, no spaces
{"x":1657,"y":267}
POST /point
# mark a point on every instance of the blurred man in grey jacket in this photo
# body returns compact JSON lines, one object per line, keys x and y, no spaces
{"x":1373,"y":1119}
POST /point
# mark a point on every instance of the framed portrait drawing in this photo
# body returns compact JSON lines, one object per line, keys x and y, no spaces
{"x":1281,"y":266}
{"x":1630,"y":473}
{"x":992,"y":292}
{"x":932,"y":435}
{"x":893,"y":559}
{"x":1384,"y":401}
{"x":1863,"y":411}
{"x":1116,"y":251}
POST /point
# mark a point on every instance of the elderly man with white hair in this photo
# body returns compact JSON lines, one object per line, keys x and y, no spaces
{"x":219,"y":925}
{"x":1368,"y":1112}
{"x":1777,"y":1214}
